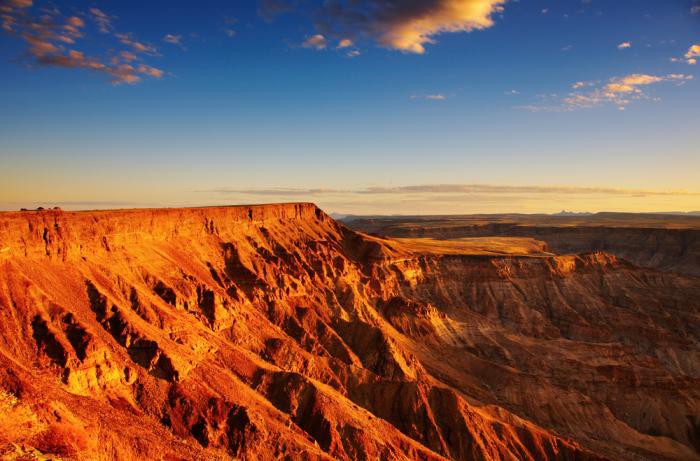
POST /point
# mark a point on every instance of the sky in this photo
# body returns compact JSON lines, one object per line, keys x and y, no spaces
{"x":361,"y":106}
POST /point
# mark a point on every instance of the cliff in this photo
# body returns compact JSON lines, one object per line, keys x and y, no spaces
{"x":675,"y":247}
{"x":273,"y":331}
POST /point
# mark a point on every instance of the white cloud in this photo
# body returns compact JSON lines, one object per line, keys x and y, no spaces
{"x":173,"y":39}
{"x":624,"y":45}
{"x":430,"y":97}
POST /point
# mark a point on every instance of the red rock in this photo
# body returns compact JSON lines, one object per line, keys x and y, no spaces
{"x":273,"y":331}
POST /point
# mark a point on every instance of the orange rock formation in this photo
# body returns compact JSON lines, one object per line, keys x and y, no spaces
{"x":269,"y":332}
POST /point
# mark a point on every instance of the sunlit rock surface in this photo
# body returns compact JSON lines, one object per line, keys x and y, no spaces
{"x":274,"y":332}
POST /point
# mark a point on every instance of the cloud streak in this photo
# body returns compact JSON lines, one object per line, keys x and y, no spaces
{"x":430,"y":97}
{"x":465,"y":198}
{"x":268,"y":9}
{"x":174,"y":39}
{"x":450,"y":189}
{"x":617,"y":91}
{"x":56,"y":40}
{"x":103,"y":21}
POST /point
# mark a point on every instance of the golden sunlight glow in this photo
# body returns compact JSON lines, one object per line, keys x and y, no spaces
{"x":413,"y":33}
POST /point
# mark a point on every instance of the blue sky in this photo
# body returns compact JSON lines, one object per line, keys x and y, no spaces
{"x":529,"y":106}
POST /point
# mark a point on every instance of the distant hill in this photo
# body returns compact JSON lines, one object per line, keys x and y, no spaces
{"x":572,"y":213}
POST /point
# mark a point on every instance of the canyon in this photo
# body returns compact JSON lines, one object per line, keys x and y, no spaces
{"x":276,"y":332}
{"x":662,"y":241}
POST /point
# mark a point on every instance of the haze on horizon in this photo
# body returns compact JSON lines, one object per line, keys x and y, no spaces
{"x":364,"y":107}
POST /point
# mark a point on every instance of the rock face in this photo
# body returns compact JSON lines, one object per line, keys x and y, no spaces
{"x":273,"y":331}
{"x":645,"y":240}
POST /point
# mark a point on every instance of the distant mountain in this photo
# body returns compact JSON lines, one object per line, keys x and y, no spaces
{"x":680,"y":213}
{"x":339,"y":216}
{"x":572,"y":213}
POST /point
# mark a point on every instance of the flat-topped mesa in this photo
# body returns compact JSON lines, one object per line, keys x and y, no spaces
{"x":62,"y":234}
{"x":263,"y":331}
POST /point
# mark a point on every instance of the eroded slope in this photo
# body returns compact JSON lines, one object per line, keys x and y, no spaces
{"x":273,"y":331}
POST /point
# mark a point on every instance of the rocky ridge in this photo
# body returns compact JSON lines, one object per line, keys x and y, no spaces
{"x":273,"y":331}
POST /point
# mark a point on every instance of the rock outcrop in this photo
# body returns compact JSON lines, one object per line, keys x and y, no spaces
{"x":268,"y":332}
{"x":645,"y":240}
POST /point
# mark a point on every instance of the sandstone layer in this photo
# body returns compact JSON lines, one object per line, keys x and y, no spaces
{"x":664,"y":242}
{"x":274,"y":332}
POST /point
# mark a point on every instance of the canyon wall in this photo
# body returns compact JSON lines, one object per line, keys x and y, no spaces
{"x":273,"y":331}
{"x":667,"y":249}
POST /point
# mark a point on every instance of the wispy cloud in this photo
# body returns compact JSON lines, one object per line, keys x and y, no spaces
{"x":617,"y":91}
{"x":268,"y":9}
{"x":317,"y":42}
{"x":453,"y":189}
{"x":139,"y":47}
{"x":465,"y":198}
{"x":281,"y":191}
{"x":430,"y":97}
{"x":103,"y":20}
{"x":229,"y":26}
{"x":501,"y":189}
{"x":624,"y":45}
{"x":56,"y":40}
{"x":16,"y":3}
{"x":173,"y":39}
